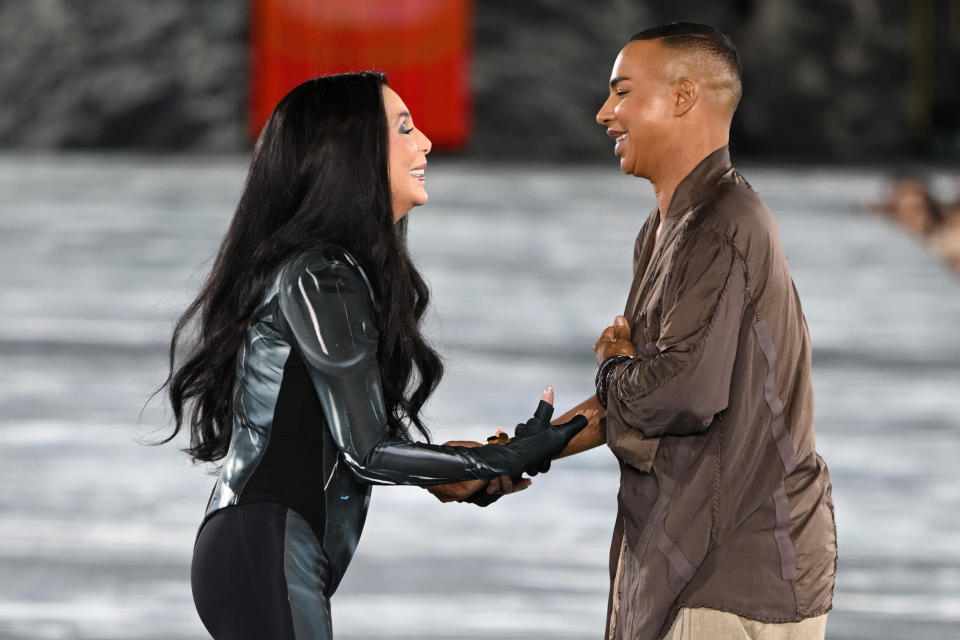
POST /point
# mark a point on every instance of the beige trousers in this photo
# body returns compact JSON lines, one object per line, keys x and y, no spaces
{"x":710,"y":624}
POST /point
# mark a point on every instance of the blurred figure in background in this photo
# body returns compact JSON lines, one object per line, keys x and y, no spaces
{"x":913,"y":206}
{"x":945,"y":241}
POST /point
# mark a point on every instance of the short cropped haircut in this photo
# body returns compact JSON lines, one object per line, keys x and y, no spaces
{"x":696,"y":37}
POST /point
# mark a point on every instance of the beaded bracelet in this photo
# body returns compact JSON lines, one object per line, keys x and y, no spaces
{"x":604,"y":373}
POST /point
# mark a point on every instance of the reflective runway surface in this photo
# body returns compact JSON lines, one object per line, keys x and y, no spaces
{"x":527,"y":265}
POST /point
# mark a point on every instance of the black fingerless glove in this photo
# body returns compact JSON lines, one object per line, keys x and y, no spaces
{"x":535,"y":443}
{"x":481,"y":498}
{"x":539,"y":441}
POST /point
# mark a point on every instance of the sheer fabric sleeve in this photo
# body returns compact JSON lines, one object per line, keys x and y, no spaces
{"x":685,"y":382}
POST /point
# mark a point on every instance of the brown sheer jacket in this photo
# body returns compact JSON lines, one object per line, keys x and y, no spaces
{"x":724,"y":502}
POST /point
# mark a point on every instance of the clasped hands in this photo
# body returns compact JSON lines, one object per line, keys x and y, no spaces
{"x":501,"y":485}
{"x":614,"y":340}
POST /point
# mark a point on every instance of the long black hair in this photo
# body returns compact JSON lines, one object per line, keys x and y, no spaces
{"x":318,"y":175}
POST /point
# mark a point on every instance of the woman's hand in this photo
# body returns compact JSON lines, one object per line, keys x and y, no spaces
{"x":614,"y":341}
{"x":500,"y":485}
{"x":457,"y":490}
{"x":454,"y":491}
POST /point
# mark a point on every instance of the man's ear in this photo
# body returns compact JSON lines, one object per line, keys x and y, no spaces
{"x":686,"y":92}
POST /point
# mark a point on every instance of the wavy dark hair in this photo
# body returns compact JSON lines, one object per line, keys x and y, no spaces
{"x":318,"y":175}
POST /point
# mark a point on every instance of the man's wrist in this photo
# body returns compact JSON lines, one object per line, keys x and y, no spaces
{"x":605,"y":374}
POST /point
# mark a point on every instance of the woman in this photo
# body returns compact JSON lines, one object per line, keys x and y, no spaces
{"x":309,"y":362}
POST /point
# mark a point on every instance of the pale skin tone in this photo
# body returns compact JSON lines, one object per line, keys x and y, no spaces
{"x":407,"y":156}
{"x":407,"y":162}
{"x":667,"y":110}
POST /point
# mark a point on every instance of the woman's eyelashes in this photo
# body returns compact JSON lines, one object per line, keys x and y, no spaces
{"x":404,"y":128}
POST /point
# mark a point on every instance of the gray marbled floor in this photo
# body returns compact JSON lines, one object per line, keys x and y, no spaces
{"x":527,"y":265}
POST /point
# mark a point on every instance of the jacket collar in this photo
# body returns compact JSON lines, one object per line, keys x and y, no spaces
{"x":692,"y":188}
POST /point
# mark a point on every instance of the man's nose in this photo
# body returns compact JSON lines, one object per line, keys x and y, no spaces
{"x":605,"y":115}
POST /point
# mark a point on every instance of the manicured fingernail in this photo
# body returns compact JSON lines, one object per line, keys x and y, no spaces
{"x":548,"y":390}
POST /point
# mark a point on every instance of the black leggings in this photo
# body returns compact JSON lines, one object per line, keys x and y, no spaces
{"x":258,"y":572}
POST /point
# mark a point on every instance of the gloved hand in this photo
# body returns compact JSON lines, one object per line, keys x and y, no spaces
{"x":481,"y":498}
{"x":536,"y":442}
{"x":542,"y":440}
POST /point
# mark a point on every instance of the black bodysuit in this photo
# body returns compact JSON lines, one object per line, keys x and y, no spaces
{"x":308,"y":441}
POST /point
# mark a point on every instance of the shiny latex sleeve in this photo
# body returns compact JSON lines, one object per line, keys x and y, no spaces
{"x":327,"y":304}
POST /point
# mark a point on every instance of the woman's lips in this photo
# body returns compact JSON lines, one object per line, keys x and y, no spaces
{"x":419,"y":172}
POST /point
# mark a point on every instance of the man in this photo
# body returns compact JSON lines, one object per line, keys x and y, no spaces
{"x":725,"y":526}
{"x":726,"y":521}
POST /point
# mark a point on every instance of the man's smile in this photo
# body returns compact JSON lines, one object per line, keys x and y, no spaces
{"x":619,"y":137}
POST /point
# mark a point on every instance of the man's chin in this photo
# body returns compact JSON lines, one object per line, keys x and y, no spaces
{"x":630,"y":168}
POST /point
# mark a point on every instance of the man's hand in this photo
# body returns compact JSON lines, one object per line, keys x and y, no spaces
{"x":614,"y":341}
{"x":454,"y":491}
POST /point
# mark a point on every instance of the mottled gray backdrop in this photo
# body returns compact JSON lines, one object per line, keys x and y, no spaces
{"x":527,"y":265}
{"x":528,"y":261}
{"x":865,"y":80}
